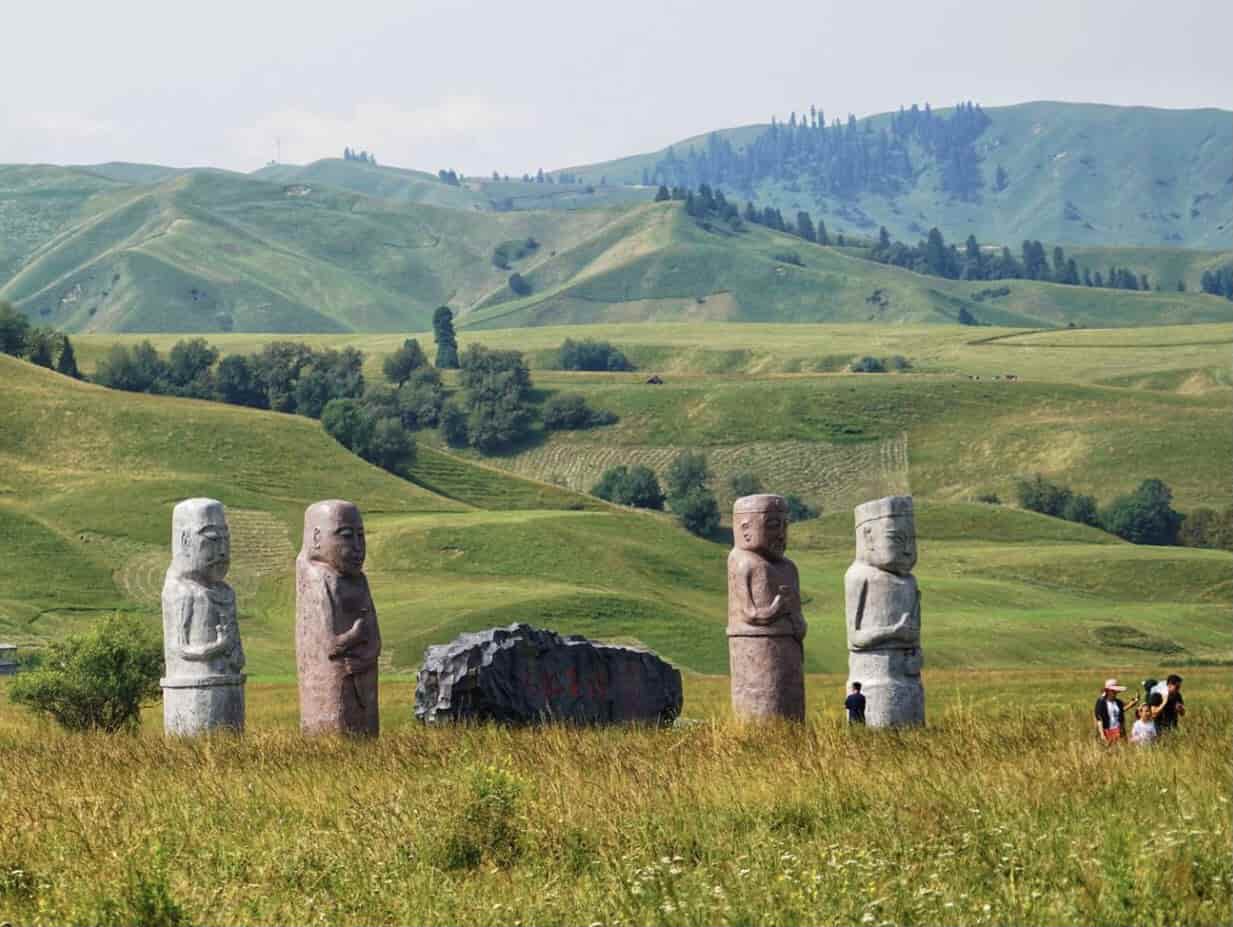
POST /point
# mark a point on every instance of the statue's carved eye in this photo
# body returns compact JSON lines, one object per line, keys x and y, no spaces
{"x":346,"y":533}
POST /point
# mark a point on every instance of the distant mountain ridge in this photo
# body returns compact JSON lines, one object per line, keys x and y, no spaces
{"x":1061,"y":172}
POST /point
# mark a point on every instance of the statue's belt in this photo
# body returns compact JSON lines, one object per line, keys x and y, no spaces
{"x":203,"y":682}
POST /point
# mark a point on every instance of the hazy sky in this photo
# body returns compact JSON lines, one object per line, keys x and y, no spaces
{"x":513,"y":86}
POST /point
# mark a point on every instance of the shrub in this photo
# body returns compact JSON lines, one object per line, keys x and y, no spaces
{"x":486,"y":826}
{"x":14,"y":327}
{"x":518,"y":283}
{"x":591,"y":355}
{"x":1081,"y":509}
{"x":744,"y":484}
{"x":399,"y":366}
{"x":789,"y":257}
{"x":989,"y":498}
{"x":698,"y":511}
{"x":799,"y":509}
{"x":637,"y":486}
{"x":97,"y":680}
{"x":1145,"y":516}
{"x":687,"y":472}
{"x":898,"y":362}
{"x":454,"y":424}
{"x":868,"y":365}
{"x":1039,"y":495}
{"x":570,"y":412}
{"x":1206,"y":527}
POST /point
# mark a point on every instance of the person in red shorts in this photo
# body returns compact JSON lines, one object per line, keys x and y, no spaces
{"x":1111,"y":719}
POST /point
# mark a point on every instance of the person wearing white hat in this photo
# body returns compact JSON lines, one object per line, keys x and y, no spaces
{"x":1111,"y":713}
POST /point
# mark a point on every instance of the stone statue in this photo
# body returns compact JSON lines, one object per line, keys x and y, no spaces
{"x":883,"y":614}
{"x":337,"y":640}
{"x":765,"y":625}
{"x":203,"y":688}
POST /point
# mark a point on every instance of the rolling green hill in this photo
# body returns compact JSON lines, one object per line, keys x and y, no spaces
{"x":207,"y":251}
{"x":658,"y":264}
{"x":214,"y":251}
{"x":1076,"y":173}
{"x":89,"y":478}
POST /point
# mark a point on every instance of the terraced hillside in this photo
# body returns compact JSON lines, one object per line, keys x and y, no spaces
{"x":1074,"y":173}
{"x":88,"y":479}
{"x":1098,"y":409}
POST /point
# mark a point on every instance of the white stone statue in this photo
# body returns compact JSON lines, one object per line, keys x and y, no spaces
{"x":203,"y":687}
{"x":883,"y":614}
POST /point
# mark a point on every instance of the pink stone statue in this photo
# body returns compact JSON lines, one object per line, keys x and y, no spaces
{"x":765,"y":625}
{"x":337,"y":640}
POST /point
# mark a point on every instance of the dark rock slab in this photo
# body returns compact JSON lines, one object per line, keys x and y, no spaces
{"x":526,"y":675}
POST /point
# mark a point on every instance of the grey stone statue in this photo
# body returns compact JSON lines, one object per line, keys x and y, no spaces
{"x":883,"y":614}
{"x":337,"y":640}
{"x":766,"y":629}
{"x":203,"y":688}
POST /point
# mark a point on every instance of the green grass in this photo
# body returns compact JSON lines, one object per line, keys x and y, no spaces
{"x":749,"y":396}
{"x":90,"y":476}
{"x":1004,"y":810}
{"x":1134,"y":175}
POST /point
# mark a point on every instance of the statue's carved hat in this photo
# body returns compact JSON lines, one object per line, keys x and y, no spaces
{"x":886,"y":507}
{"x":759,"y":503}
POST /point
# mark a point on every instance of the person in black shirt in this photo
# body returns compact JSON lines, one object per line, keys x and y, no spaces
{"x":855,"y":704}
{"x":1172,"y":707}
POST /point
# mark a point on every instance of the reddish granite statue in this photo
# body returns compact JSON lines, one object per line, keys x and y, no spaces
{"x":337,"y":640}
{"x":765,"y":624}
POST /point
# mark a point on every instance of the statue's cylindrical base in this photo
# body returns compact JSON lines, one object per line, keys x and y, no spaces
{"x":198,"y":706}
{"x":768,"y":677}
{"x":890,"y":682}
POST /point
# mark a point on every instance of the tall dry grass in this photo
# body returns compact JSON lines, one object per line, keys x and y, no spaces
{"x":999,"y":812}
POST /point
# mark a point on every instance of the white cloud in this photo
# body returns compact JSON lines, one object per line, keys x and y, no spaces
{"x":396,"y":134}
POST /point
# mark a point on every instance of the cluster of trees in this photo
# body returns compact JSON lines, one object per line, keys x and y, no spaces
{"x":285,"y":376}
{"x":935,"y":257}
{"x":42,"y":346}
{"x":637,"y":486}
{"x":842,"y":158}
{"x":869,"y":364}
{"x":687,"y":491}
{"x":1145,"y":516}
{"x":451,"y":177}
{"x":570,"y":412}
{"x":704,"y":205}
{"x":804,"y":226}
{"x":508,"y":251}
{"x":1218,"y":282}
{"x":350,"y":154}
{"x":589,"y":354}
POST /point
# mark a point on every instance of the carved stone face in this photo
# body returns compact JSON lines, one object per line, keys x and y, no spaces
{"x":201,"y":540}
{"x":888,"y":543}
{"x":764,"y":532}
{"x":336,"y":534}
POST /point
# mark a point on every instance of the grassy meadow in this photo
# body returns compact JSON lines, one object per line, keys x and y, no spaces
{"x":1004,"y":810}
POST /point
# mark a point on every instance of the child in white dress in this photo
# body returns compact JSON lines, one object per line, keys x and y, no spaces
{"x":1144,"y":731}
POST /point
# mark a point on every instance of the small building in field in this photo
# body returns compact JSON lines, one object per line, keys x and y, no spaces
{"x":8,"y":659}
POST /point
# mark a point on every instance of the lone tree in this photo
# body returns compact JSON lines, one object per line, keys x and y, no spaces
{"x":447,"y":341}
{"x":98,"y":680}
{"x":399,"y":366}
{"x":67,"y":362}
